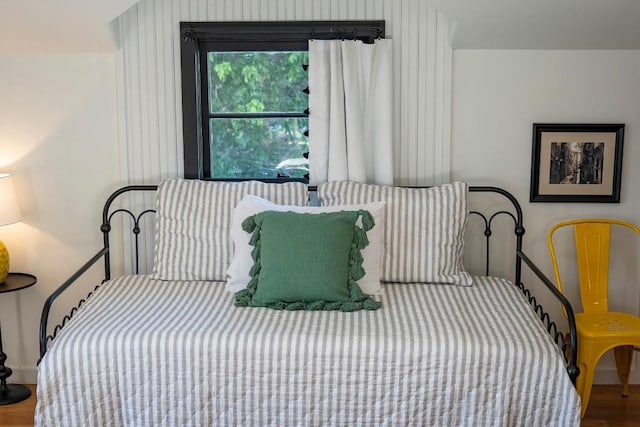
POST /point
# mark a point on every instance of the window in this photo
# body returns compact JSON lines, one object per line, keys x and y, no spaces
{"x":244,"y":95}
{"x":257,"y":120}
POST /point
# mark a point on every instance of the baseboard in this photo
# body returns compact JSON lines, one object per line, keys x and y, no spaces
{"x":610,"y":376}
{"x":23,"y":376}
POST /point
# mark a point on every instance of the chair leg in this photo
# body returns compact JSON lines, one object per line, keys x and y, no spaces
{"x":623,"y":355}
{"x":587,"y":362}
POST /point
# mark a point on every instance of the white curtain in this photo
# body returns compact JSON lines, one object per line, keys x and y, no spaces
{"x":350,"y":111}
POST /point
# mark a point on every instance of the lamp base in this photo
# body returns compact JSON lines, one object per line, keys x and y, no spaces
{"x":13,"y":393}
{"x":4,"y":262}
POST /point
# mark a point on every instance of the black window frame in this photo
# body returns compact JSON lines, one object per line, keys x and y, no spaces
{"x":197,"y":38}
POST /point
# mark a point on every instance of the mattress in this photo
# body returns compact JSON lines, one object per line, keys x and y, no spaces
{"x":146,"y":352}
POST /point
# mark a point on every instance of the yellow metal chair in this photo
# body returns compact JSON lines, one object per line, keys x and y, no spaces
{"x":599,"y":330}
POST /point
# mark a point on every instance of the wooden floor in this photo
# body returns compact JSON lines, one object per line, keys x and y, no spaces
{"x":606,"y":408}
{"x":19,"y":414}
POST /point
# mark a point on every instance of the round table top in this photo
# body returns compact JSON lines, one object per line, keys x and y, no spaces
{"x":17,"y":281}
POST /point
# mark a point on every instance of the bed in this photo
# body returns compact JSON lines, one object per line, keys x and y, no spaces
{"x":144,"y":350}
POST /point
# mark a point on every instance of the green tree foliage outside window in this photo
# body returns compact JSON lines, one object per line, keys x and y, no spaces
{"x":256,"y":120}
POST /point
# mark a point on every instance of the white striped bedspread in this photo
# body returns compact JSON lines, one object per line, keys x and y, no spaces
{"x":144,"y":352}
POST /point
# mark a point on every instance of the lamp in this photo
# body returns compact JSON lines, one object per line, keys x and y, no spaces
{"x":9,"y":213}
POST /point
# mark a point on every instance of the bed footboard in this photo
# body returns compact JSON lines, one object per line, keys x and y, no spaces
{"x":45,"y":338}
{"x":567,"y":342}
{"x":104,"y":254}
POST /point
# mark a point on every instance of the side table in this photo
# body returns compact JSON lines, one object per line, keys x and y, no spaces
{"x":12,"y":393}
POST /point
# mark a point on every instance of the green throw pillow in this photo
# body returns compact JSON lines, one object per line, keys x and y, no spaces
{"x":307,"y":261}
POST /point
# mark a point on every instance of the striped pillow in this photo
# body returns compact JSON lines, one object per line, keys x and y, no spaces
{"x":193,"y":224}
{"x":424,"y":230}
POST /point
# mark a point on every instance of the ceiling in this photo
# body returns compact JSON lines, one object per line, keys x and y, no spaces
{"x":543,"y":24}
{"x":58,"y":26}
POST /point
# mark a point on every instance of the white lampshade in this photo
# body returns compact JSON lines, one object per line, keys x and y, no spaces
{"x":9,"y":210}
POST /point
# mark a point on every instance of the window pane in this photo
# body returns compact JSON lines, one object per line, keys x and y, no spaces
{"x":257,"y":82}
{"x":258,"y":148}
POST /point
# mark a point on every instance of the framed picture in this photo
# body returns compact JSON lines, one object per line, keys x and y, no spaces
{"x":576,"y":162}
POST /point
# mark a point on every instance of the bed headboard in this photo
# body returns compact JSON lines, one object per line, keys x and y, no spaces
{"x":494,"y":212}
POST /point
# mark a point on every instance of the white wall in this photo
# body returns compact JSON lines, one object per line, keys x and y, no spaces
{"x":58,"y":136}
{"x":149,"y":77}
{"x":149,"y":80}
{"x":499,"y":94}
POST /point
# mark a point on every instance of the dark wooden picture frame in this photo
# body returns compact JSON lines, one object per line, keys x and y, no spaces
{"x":576,"y":162}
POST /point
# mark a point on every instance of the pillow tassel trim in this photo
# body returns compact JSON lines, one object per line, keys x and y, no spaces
{"x":359,"y":301}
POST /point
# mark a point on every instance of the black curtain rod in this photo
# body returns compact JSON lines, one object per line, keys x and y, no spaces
{"x":284,"y":31}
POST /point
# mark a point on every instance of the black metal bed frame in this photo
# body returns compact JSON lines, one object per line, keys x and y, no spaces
{"x":567,"y":342}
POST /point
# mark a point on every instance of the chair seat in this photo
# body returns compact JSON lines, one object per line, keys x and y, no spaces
{"x":609,"y":324}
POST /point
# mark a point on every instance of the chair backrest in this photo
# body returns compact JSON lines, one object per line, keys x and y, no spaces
{"x":593,"y":241}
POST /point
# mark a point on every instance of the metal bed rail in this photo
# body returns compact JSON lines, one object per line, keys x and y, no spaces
{"x":567,"y":342}
{"x":104,"y":254}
